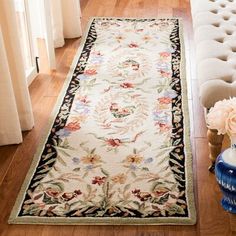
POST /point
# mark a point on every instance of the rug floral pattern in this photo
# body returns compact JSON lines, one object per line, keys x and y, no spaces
{"x":116,"y":147}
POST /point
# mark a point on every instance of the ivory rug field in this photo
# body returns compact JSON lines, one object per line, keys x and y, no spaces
{"x":117,"y":150}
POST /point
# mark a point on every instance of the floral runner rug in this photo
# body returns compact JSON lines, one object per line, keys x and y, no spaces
{"x":117,"y":150}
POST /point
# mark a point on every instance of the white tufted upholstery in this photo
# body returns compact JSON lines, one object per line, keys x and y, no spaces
{"x":214,"y":24}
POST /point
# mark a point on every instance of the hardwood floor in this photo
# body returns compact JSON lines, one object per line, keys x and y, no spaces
{"x":15,"y":160}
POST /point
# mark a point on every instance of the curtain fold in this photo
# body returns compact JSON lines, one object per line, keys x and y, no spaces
{"x":66,"y":21}
{"x":8,"y":133}
{"x":15,"y":106}
{"x":57,"y":23}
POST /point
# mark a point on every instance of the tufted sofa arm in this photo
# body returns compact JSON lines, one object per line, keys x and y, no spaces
{"x":214,"y":24}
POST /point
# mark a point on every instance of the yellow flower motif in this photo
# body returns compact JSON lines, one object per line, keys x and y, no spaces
{"x":91,"y":159}
{"x":119,"y":38}
{"x":146,"y":38}
{"x":79,"y":118}
{"x":162,"y":106}
{"x":134,"y":159}
{"x":119,"y":178}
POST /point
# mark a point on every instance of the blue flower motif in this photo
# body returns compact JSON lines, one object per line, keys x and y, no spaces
{"x":163,"y":66}
{"x":86,"y":110}
{"x":89,"y":167}
{"x":81,"y":108}
{"x":76,"y":160}
{"x":170,"y":50}
{"x":160,"y":116}
{"x":83,"y":77}
{"x":170,"y":93}
{"x":78,"y":105}
{"x":96,"y":60}
{"x":148,"y":160}
{"x":63,"y":133}
{"x":133,"y":167}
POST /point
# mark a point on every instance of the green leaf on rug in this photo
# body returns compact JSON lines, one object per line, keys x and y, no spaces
{"x":49,"y":161}
{"x":44,"y":170}
{"x":58,"y":184}
{"x":65,"y":144}
{"x":35,"y":184}
{"x":133,"y":174}
{"x":47,"y":156}
{"x":50,"y":174}
{"x":93,"y":150}
{"x":63,"y":152}
{"x":38,"y":196}
{"x":127,"y":186}
{"x":61,"y":161}
{"x":163,"y":199}
{"x":145,"y":169}
{"x":176,"y":209}
{"x":175,"y":162}
{"x":39,"y":177}
{"x":104,"y":172}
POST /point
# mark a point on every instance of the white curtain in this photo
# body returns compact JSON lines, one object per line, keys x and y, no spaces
{"x":66,"y":20}
{"x":15,"y":105}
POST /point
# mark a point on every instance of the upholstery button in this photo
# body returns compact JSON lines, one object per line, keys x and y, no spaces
{"x":226,"y":17}
{"x":229,"y":32}
{"x":216,"y":24}
{"x":223,"y":58}
{"x":214,"y":11}
{"x":223,"y":5}
{"x":220,"y":40}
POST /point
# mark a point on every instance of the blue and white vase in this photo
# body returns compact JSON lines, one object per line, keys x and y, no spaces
{"x":225,"y":171}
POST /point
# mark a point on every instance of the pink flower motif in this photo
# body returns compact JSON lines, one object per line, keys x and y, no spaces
{"x":41,"y":205}
{"x":90,"y":72}
{"x":133,"y":45}
{"x":67,"y":196}
{"x":73,"y":126}
{"x":143,"y":196}
{"x":83,"y":99}
{"x":53,"y":192}
{"x":164,"y":54}
{"x":99,"y":180}
{"x":162,"y":191}
{"x":127,"y":85}
{"x":164,"y":73}
{"x":98,"y":53}
{"x":136,"y":191}
{"x":77,"y":192}
{"x":164,"y":100}
{"x":114,"y":142}
{"x":139,"y":30}
{"x":164,"y":127}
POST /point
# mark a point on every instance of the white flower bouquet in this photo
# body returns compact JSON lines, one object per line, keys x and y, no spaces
{"x":222,"y":117}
